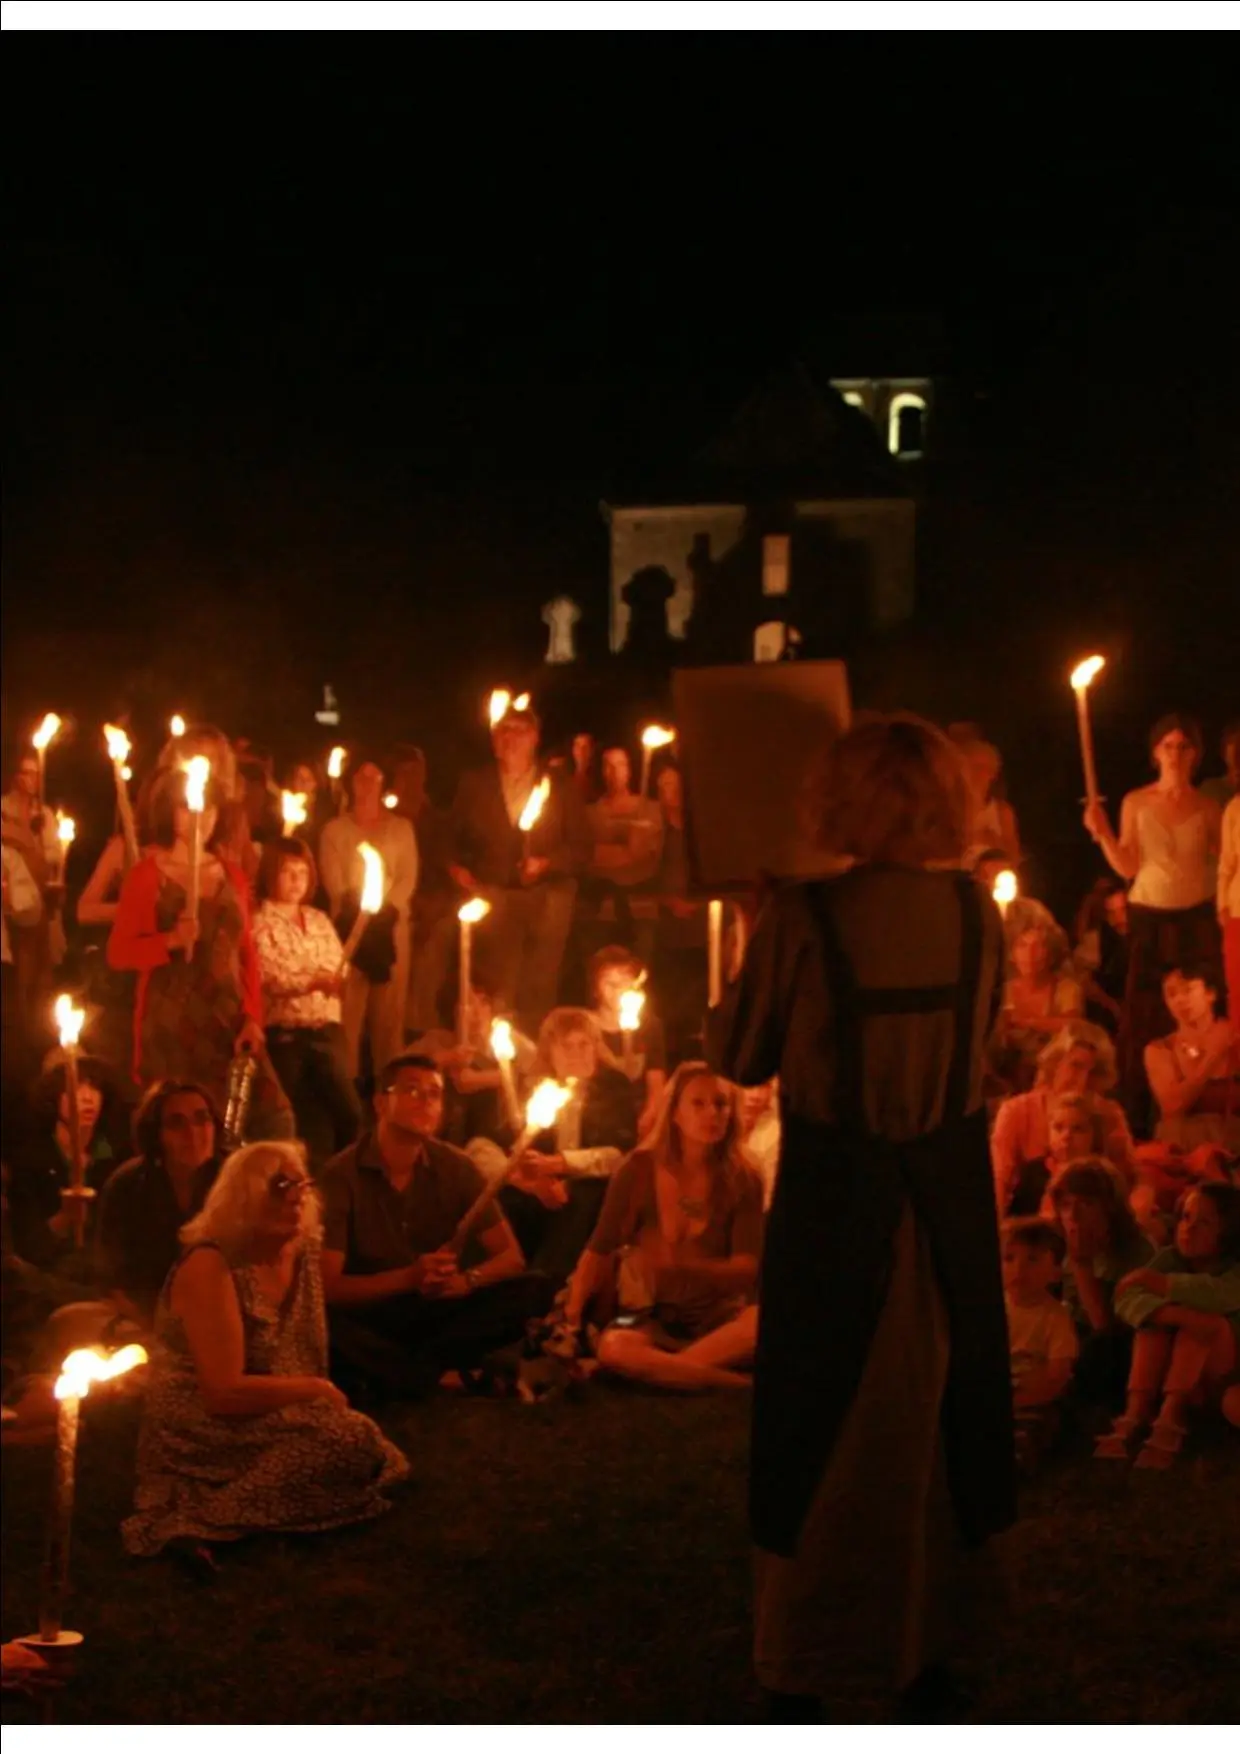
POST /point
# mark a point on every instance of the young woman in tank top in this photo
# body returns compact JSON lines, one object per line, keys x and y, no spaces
{"x":1167,"y":845}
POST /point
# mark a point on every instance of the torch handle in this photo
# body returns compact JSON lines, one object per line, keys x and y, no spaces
{"x":77,"y":1158}
{"x":125,"y":806}
{"x":461,"y":1235}
{"x":59,"y":1522}
{"x":1087,"y":746}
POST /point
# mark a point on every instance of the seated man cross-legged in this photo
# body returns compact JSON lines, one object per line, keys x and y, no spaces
{"x":403,"y":1306}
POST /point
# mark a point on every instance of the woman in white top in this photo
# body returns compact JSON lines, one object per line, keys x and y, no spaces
{"x":301,"y":962}
{"x":1167,"y":845}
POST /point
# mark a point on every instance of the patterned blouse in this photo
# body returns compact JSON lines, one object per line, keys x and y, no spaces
{"x":292,"y":954}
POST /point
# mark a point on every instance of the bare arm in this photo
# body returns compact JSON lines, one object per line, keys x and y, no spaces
{"x":1092,"y":1296}
{"x":588,"y":1279}
{"x":94,"y":909}
{"x":1122,"y":852}
{"x":204,"y":1297}
{"x":1176,"y":1093}
{"x":342,"y":1289}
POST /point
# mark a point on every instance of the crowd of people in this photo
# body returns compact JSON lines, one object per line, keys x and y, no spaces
{"x":307,"y":1180}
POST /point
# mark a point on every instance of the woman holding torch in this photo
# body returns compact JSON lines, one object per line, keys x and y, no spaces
{"x":199,"y":998}
{"x":1167,"y":846}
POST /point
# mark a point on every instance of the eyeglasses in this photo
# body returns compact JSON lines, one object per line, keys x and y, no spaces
{"x":282,"y":1185}
{"x":424,"y":1092}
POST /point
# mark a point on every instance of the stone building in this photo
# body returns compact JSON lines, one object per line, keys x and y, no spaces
{"x":791,"y":533}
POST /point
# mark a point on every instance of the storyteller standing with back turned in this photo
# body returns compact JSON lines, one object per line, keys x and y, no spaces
{"x":882,"y":1434}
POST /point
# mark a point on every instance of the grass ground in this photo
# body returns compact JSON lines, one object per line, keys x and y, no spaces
{"x":587,"y":1562}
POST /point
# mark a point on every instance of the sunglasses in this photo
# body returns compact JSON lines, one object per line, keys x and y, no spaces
{"x":282,"y":1185}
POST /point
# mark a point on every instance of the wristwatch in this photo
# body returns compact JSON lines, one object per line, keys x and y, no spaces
{"x":473,"y":1278}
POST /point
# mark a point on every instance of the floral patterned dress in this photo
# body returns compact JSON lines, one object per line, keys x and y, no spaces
{"x":298,"y":1469}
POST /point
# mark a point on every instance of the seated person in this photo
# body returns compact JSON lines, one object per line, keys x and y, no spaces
{"x":474,"y":1107}
{"x":1101,"y":956}
{"x":145,"y":1204}
{"x":1104,"y":1244}
{"x":1041,"y":1332}
{"x":1194,"y":1073}
{"x":301,"y":963}
{"x":242,"y":1431}
{"x":44,"y":1204}
{"x":760,"y":1133}
{"x":1185,"y":1307}
{"x":643,"y":1059}
{"x":1040,"y":994}
{"x":554,"y":1197}
{"x":1080,"y":1058}
{"x":1076,"y":1128}
{"x":406,"y":1301}
{"x":678,"y":1245}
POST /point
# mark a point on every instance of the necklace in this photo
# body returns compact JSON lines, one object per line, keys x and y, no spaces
{"x":692,"y":1208}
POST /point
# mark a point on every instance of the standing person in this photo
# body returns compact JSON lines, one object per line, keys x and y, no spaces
{"x":1229,"y":906}
{"x":994,"y":825}
{"x":378,"y":978}
{"x":1224,"y":787}
{"x":1167,"y":844}
{"x":882,"y":1429}
{"x":530,"y":881}
{"x":23,"y":906}
{"x":434,"y":906}
{"x":300,"y":960}
{"x":29,"y":830}
{"x":628,"y":847}
{"x":583,"y":751}
{"x":680,"y":943}
{"x":199,"y":998}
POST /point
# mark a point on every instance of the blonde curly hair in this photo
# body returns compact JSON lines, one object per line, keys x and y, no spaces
{"x":232,"y":1213}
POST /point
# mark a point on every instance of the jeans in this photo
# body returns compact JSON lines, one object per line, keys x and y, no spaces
{"x":311,"y":1066}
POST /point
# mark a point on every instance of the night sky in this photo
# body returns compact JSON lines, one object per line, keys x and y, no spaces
{"x":321,"y":352}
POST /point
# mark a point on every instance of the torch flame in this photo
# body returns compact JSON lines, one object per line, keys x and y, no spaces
{"x":632,"y":1004}
{"x":1005,"y":888}
{"x":372,"y":882}
{"x":81,"y":1368}
{"x":69,"y":1020}
{"x":118,"y":744}
{"x":473,"y":911}
{"x":534,"y":805}
{"x":657,"y":737}
{"x":66,"y":829}
{"x":176,"y":724}
{"x":521,"y":704}
{"x":498,"y":705}
{"x":293,"y":810}
{"x":1085,"y":672}
{"x":197,"y":773}
{"x":502,"y":1044}
{"x":335,"y":762}
{"x":390,"y":800}
{"x":46,"y":731}
{"x":546,"y":1101}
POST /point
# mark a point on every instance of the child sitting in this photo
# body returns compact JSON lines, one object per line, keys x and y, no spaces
{"x":1185,"y":1307}
{"x":1041,"y":1332}
{"x":1075,"y":1129}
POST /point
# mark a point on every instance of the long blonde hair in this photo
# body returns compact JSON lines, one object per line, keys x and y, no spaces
{"x":730,"y":1164}
{"x":232,"y":1211}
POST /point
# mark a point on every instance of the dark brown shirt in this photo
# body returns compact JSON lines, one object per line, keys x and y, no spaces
{"x":378,"y":1227}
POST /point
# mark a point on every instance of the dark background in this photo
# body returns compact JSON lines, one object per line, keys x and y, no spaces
{"x":322,"y":351}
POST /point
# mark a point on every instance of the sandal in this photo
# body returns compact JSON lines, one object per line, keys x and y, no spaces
{"x":1162,"y":1446}
{"x":1116,"y":1445}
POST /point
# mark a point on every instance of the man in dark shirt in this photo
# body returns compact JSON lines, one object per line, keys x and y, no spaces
{"x":530,"y":879}
{"x":402,"y":1306}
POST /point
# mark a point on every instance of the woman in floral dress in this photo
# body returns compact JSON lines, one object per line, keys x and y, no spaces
{"x":242,"y":1432}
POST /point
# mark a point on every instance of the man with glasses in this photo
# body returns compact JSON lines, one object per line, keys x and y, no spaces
{"x":403,"y":1307}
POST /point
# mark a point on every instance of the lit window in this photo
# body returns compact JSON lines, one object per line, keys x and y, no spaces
{"x":906,"y":423}
{"x":775,"y":564}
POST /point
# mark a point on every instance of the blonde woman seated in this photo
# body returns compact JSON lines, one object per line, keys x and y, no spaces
{"x":1081,"y":1058}
{"x":1039,"y":995}
{"x":242,"y":1432}
{"x":678,"y":1245}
